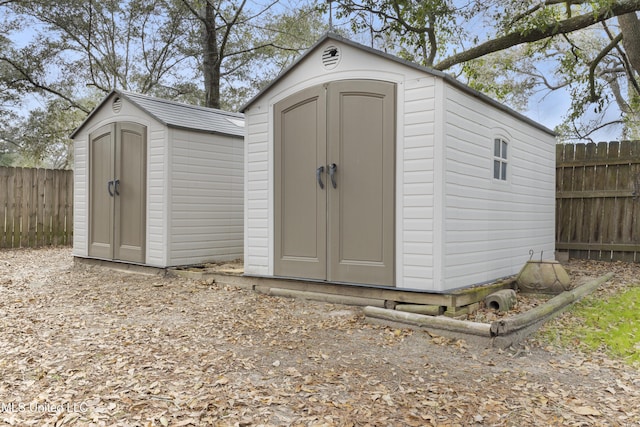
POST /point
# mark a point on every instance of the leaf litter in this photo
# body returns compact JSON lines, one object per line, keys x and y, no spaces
{"x":92,"y":346}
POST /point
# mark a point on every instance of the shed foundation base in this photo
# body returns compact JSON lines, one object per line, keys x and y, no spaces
{"x":453,"y":304}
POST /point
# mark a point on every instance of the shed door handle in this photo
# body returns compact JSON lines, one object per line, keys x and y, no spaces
{"x":117,"y":187}
{"x":319,"y":173}
{"x":333,"y":168}
{"x":109,"y":188}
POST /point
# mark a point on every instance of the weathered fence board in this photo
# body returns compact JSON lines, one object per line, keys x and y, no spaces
{"x":598,"y":200}
{"x":597,"y":203}
{"x":36,"y":207}
{"x":4,"y":193}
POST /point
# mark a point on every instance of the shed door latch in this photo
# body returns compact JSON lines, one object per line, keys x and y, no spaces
{"x":333,"y":168}
{"x":319,"y":173}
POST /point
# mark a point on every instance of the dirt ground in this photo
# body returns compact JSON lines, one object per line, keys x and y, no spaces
{"x":86,"y":345}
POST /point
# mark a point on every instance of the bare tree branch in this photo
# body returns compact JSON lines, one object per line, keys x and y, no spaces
{"x":541,"y":5}
{"x":28,"y":78}
{"x":535,"y":34}
{"x":580,"y":136}
{"x":594,"y":64}
{"x":10,"y":141}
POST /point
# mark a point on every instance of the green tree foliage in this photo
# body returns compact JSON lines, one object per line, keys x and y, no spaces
{"x":78,"y":46}
{"x":220,"y":52}
{"x":417,"y":31}
{"x":9,"y":99}
{"x":43,"y":138}
{"x":76,"y":51}
{"x":195,"y":51}
{"x":513,"y":75}
{"x":512,"y":49}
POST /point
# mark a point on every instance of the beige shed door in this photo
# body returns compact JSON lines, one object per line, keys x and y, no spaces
{"x":117,"y":202}
{"x":334,"y":183}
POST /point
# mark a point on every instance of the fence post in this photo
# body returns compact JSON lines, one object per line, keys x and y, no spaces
{"x":48,"y":207}
{"x":41,"y":179}
{"x":29,"y":213}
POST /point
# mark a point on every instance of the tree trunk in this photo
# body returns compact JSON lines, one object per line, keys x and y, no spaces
{"x":211,"y":60}
{"x":630,"y":28}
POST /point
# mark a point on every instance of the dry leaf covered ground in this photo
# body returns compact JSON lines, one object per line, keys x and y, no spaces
{"x":85,"y":345}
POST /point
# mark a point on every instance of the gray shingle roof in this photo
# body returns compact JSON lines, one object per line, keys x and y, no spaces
{"x":178,"y":115}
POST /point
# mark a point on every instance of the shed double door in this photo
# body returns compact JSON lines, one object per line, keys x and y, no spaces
{"x":117,"y":206}
{"x":334,"y":183}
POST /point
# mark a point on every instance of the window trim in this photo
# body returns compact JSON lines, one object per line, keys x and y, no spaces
{"x":500,"y":159}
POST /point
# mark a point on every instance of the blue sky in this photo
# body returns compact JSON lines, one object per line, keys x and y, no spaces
{"x":545,"y":108}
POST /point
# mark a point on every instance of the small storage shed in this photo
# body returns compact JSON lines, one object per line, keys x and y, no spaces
{"x":365,"y":169}
{"x":158,"y":183}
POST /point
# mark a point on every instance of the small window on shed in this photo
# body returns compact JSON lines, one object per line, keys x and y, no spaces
{"x":500,"y":159}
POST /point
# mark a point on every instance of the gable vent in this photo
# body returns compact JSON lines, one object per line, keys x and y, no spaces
{"x":117,"y":104}
{"x":331,"y":57}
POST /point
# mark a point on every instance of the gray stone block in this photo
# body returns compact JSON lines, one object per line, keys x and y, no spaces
{"x":502,"y":300}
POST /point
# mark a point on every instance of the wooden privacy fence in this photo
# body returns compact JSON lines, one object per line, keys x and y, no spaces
{"x":597,"y":203}
{"x":36,"y":207}
{"x":598,"y":200}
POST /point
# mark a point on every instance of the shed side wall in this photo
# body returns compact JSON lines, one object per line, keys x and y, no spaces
{"x":490,"y":225}
{"x":206,"y":207}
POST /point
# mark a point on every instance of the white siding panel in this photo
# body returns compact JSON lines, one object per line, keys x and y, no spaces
{"x":415,"y":238}
{"x":418,"y":129}
{"x":418,"y":176}
{"x":418,"y":91}
{"x":206,"y":206}
{"x":157,"y":155}
{"x":491,"y":225}
{"x":418,"y":278}
{"x":80,"y":196}
{"x":257,"y":200}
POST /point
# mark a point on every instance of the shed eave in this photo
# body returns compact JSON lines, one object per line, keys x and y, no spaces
{"x":131,"y":98}
{"x":206,"y":131}
{"x":91,"y":114}
{"x":430,"y":71}
{"x":487,"y":99}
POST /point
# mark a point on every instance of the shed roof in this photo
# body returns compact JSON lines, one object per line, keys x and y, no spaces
{"x":179,"y":115}
{"x":446,"y":77}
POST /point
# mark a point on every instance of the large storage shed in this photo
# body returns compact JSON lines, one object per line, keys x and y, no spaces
{"x":158,"y":183}
{"x":362,"y":168}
